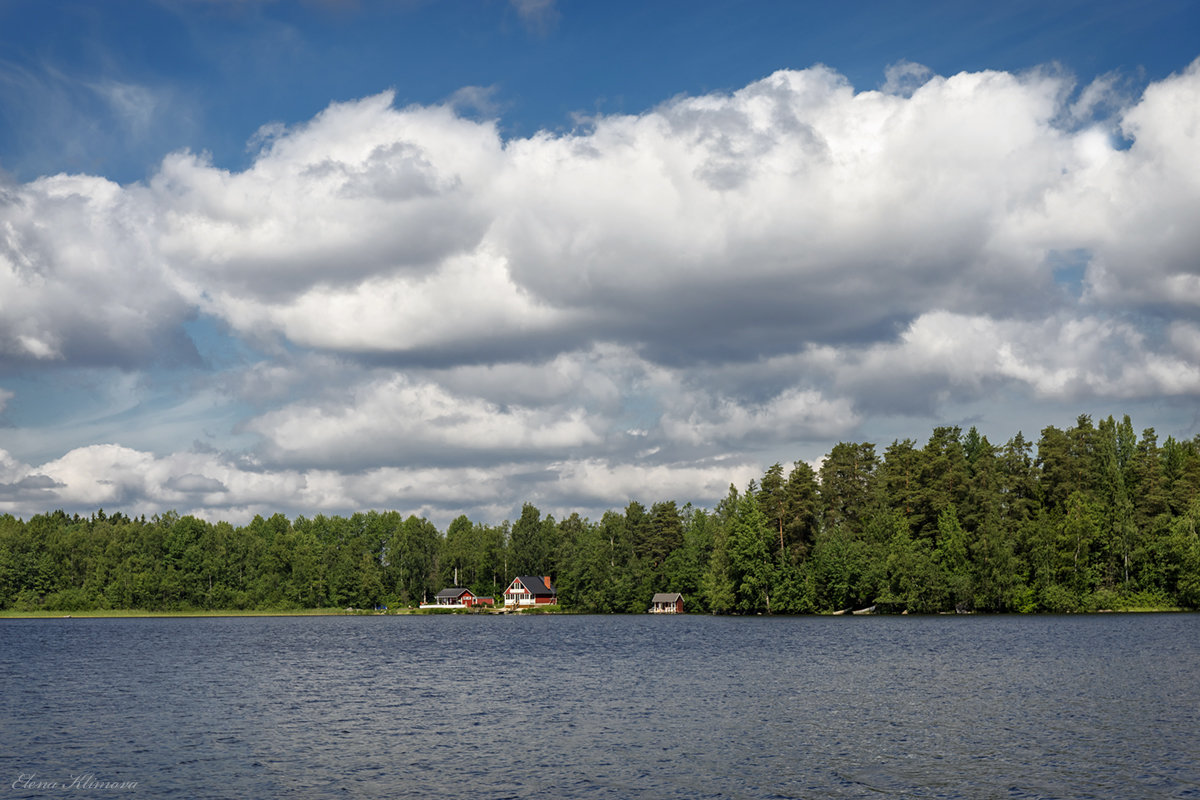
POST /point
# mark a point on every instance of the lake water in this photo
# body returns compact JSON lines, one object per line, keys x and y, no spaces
{"x":1104,"y":706}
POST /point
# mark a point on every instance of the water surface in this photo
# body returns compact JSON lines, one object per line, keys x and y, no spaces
{"x":604,"y":707}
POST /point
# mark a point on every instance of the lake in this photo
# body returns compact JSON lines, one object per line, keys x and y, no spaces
{"x":1103,"y":706}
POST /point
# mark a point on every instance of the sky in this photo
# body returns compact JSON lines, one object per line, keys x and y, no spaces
{"x":450,"y":257}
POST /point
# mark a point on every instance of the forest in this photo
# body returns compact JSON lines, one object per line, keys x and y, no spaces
{"x":1090,"y":518}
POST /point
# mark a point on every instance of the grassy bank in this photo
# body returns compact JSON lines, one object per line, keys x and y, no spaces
{"x":134,"y":612}
{"x":117,"y":613}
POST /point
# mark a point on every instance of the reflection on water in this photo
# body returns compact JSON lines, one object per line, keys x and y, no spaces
{"x":605,"y":707}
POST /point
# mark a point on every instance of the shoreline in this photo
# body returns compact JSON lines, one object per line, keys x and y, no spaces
{"x":111,"y":613}
{"x":339,"y":612}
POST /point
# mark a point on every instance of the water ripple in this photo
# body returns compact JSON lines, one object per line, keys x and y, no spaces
{"x":607,"y":707}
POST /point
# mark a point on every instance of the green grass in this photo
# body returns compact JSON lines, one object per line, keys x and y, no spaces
{"x":301,"y":612}
{"x":135,"y":612}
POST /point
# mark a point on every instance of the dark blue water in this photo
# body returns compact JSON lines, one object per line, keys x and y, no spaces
{"x":602,"y":707}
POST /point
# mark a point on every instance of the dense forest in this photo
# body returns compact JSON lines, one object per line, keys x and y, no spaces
{"x":1094,"y":518}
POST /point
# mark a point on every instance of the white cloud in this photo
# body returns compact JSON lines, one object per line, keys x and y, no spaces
{"x":362,"y":191}
{"x":447,"y":319}
{"x":792,"y":415}
{"x":594,"y":482}
{"x":114,"y":476}
{"x":794,"y":209}
{"x":1064,"y":358}
{"x":401,"y":421}
{"x":598,"y":378}
{"x":833,"y":211}
{"x":1133,"y":208}
{"x":468,"y":300}
{"x":80,"y":279}
{"x":191,"y":483}
{"x":210,"y":487}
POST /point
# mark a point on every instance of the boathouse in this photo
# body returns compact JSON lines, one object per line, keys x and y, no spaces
{"x":667,"y":603}
{"x":527,"y":590}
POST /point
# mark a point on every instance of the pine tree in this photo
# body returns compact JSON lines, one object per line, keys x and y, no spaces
{"x":802,"y":512}
{"x":847,"y":485}
{"x":943,"y":480}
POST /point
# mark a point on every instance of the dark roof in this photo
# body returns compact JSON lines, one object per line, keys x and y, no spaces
{"x":455,"y":592}
{"x":536,"y":586}
{"x":663,"y":597}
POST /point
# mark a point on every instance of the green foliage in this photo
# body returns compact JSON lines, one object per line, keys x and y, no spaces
{"x":751,"y":564}
{"x":912,"y":581}
{"x":847,"y":485}
{"x":849,"y":571}
{"x":529,"y":549}
{"x":952,"y":561}
{"x":1097,"y":518}
{"x":717,"y":588}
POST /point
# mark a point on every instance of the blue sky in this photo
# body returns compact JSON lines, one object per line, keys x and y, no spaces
{"x":448,"y":257}
{"x":219,"y":70}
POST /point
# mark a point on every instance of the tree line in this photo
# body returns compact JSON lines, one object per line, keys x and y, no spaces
{"x":1095,"y":517}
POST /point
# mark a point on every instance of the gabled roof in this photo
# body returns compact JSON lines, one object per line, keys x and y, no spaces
{"x":455,"y":592}
{"x":535,"y":586}
{"x":663,"y":597}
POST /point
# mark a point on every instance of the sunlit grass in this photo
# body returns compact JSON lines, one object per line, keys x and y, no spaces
{"x":126,"y":612}
{"x":111,"y":613}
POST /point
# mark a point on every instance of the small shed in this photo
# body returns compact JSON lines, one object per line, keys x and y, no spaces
{"x":667,"y":603}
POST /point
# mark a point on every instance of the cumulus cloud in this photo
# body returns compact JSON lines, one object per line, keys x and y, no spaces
{"x":1130,"y":207}
{"x":191,"y":483}
{"x":141,"y":483}
{"x":398,"y":420}
{"x":704,"y":419}
{"x":794,"y":208}
{"x":30,"y":489}
{"x":649,"y":300}
{"x":469,"y":300}
{"x":945,"y":355}
{"x":81,"y":281}
{"x":363,"y":190}
{"x":115,"y":476}
{"x":593,"y":482}
{"x":721,"y":226}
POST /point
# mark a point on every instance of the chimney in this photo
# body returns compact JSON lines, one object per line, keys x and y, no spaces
{"x":546,"y":579}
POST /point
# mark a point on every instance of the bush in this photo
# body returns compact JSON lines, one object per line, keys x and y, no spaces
{"x":70,"y":600}
{"x":27,"y":600}
{"x":1061,"y":600}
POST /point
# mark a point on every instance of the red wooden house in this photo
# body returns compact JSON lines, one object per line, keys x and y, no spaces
{"x":457,"y":598}
{"x":527,"y":590}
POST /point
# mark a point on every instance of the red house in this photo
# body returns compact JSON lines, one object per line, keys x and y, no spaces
{"x":457,"y":598}
{"x":527,"y":590}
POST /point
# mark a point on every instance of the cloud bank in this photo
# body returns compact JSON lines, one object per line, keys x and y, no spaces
{"x":649,"y":305}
